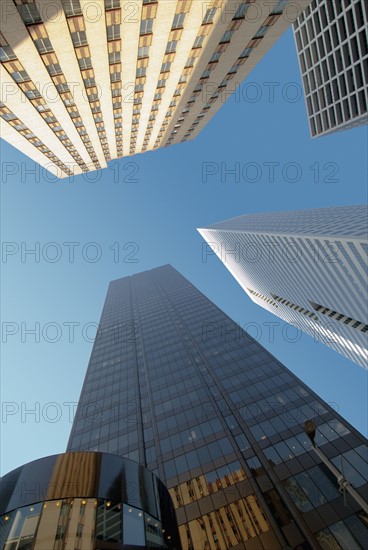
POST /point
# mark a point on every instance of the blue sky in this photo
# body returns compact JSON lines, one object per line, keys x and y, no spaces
{"x":153,"y":219}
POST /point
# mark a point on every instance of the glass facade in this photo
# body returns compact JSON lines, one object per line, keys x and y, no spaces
{"x":176,"y":385}
{"x":85,"y":501}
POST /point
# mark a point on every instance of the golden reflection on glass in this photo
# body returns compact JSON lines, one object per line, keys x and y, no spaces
{"x":207,"y":484}
{"x":226,"y":527}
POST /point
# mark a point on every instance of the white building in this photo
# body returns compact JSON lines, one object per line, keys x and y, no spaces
{"x":308,"y":267}
{"x":332,"y":45}
{"x":88,"y":81}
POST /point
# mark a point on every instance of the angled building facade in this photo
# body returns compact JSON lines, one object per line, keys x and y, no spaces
{"x":174,"y":384}
{"x":307,"y":267}
{"x":332,"y":46}
{"x":88,"y":81}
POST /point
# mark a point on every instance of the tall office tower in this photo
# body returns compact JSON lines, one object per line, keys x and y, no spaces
{"x":331,"y":40}
{"x":87,"y":81}
{"x":175,"y":384}
{"x":307,"y":267}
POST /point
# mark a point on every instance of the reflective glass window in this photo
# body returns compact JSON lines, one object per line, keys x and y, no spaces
{"x":133,"y":526}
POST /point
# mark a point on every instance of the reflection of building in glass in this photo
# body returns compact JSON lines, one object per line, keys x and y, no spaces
{"x":307,"y":267}
{"x":176,"y":385}
{"x":331,"y":39}
{"x":85,"y":501}
{"x":87,"y":81}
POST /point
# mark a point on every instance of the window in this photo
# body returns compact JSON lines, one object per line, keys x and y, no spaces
{"x":198,"y":41}
{"x":20,"y":76}
{"x":209,"y":15}
{"x":178,"y":21}
{"x":43,"y":45}
{"x":114,"y":57}
{"x":113,"y":32}
{"x":190,"y":62}
{"x":6,"y":53}
{"x":62,"y":88}
{"x":111,"y":4}
{"x":141,"y":71}
{"x":108,"y":521}
{"x":240,"y":12}
{"x":79,"y":38}
{"x":171,"y":46}
{"x":71,"y":7}
{"x":8,"y":116}
{"x":54,"y":69}
{"x":261,"y":32}
{"x":279,"y":7}
{"x":242,"y":442}
{"x":226,"y":37}
{"x":165,"y":67}
{"x":143,"y":51}
{"x":146,"y":26}
{"x":85,"y":63}
{"x":29,"y":13}
{"x":311,"y":490}
{"x":215,"y":57}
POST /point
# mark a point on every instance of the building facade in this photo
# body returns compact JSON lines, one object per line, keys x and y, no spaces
{"x":175,"y":384}
{"x":85,"y":501}
{"x":308,"y":267}
{"x":88,"y":81}
{"x":331,"y":41}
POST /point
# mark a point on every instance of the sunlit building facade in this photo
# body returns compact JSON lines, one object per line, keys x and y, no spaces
{"x":174,"y":384}
{"x":306,"y":266}
{"x":88,"y":81}
{"x":331,"y":40}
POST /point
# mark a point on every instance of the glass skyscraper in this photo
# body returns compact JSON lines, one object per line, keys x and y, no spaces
{"x":176,"y":385}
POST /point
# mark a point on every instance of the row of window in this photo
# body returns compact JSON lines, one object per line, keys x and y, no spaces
{"x":198,"y":457}
{"x":79,"y":38}
{"x":228,"y":526}
{"x":81,"y":523}
{"x":207,"y":484}
{"x":21,"y":77}
{"x":344,"y":535}
{"x":225,"y":40}
{"x":52,"y":65}
{"x":171,"y":48}
{"x":295,"y":446}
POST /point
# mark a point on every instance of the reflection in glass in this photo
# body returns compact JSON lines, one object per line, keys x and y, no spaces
{"x":133,"y":526}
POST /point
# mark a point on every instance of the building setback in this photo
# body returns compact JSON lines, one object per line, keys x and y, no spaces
{"x":175,"y":384}
{"x":331,"y":40}
{"x":306,"y":266}
{"x":88,"y":81}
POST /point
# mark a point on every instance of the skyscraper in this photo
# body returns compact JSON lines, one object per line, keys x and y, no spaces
{"x":176,"y":385}
{"x":307,"y":267}
{"x":87,"y":81}
{"x":331,"y":40}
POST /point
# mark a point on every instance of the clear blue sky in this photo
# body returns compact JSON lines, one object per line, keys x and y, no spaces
{"x":160,"y":212}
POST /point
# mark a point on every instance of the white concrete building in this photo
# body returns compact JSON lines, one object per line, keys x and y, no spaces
{"x":87,"y":81}
{"x":308,"y":267}
{"x":331,"y":38}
